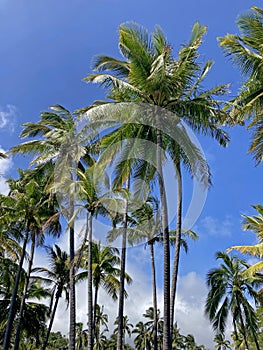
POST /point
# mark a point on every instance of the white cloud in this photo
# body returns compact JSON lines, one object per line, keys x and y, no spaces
{"x":8,"y":117}
{"x":5,"y":166}
{"x":215,"y":227}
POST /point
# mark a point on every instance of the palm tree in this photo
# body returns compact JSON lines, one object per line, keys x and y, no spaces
{"x":253,"y":223}
{"x":228,"y":292}
{"x":142,"y":341}
{"x":41,"y":207}
{"x":35,"y":313}
{"x":150,"y":74}
{"x":27,"y":209}
{"x":101,"y":320}
{"x":2,"y":155}
{"x":221,"y":342}
{"x":59,"y":142}
{"x":105,"y":272}
{"x":58,"y":276}
{"x":81,"y":336}
{"x":246,"y":52}
{"x":127,"y":327}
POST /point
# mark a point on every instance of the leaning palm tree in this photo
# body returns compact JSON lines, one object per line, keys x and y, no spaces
{"x":228,"y":291}
{"x":150,"y":74}
{"x":246,"y":51}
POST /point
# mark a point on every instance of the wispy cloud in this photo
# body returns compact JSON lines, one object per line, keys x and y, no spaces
{"x":215,"y":227}
{"x":8,"y":116}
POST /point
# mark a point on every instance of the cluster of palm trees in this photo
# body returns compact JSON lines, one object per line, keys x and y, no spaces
{"x":151,"y":96}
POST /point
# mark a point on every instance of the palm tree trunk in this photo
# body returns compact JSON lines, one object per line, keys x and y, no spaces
{"x":255,"y":340}
{"x":90,"y":312}
{"x":166,"y":246}
{"x":96,"y":334}
{"x":58,"y":295}
{"x":177,"y":243}
{"x":243,"y":328}
{"x":155,"y":321}
{"x":122,"y":273}
{"x":72,"y":297}
{"x":23,"y":301}
{"x":11,"y":313}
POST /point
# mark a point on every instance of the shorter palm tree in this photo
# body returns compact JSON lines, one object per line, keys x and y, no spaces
{"x":127,"y":327}
{"x":58,"y":276}
{"x":228,"y":294}
{"x":221,"y":343}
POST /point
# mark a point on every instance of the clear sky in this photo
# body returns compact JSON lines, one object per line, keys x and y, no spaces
{"x":47,"y":49}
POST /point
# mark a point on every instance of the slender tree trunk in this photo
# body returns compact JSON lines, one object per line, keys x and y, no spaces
{"x":96,"y":289}
{"x":72,"y":297}
{"x":23,"y":301}
{"x":166,"y":247}
{"x":256,"y":341}
{"x":243,"y":328}
{"x":155,"y":320}
{"x":177,"y":243}
{"x":58,"y":295}
{"x":11,"y":313}
{"x":122,"y":274}
{"x":90,"y":312}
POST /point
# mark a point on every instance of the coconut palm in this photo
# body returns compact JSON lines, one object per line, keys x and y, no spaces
{"x":58,"y":276}
{"x":253,"y":223}
{"x":127,"y":327}
{"x":2,"y":155}
{"x":143,"y":337}
{"x":35,"y":313}
{"x":150,"y":74}
{"x":57,"y":140}
{"x":245,"y":50}
{"x":81,"y":336}
{"x":228,"y":291}
{"x":221,"y":342}
{"x":41,"y":207}
{"x":27,"y":208}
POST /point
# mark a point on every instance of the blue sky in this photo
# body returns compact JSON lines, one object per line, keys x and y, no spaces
{"x":47,"y":49}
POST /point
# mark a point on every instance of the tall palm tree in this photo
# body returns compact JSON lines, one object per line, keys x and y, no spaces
{"x":57,"y":140}
{"x":228,"y":291}
{"x":150,"y":74}
{"x":246,"y":52}
{"x":57,"y":275}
